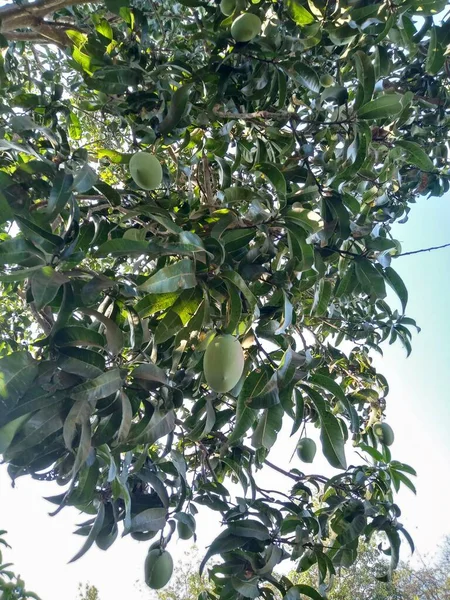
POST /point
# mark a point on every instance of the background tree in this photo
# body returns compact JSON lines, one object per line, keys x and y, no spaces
{"x":88,"y":592}
{"x":286,"y":160}
{"x":428,"y":580}
{"x":12,"y":586}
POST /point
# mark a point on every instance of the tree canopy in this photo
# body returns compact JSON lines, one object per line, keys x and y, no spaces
{"x":286,"y":161}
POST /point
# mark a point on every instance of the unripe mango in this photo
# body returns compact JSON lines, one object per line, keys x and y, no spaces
{"x":158,"y":568}
{"x":146,"y":171}
{"x":246,"y":27}
{"x":326,"y":80}
{"x":227,"y":7}
{"x":306,"y":450}
{"x":186,"y":527}
{"x":223,"y":363}
{"x":384,"y":433}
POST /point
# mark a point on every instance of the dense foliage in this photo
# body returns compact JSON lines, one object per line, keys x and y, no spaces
{"x":286,"y":161}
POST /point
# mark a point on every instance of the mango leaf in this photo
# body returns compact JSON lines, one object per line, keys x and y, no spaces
{"x":370,"y":278}
{"x":114,"y":335}
{"x":82,"y":362}
{"x":332,"y":386}
{"x":17,"y":372}
{"x":161,"y":424}
{"x":43,"y":424}
{"x":150,"y":372}
{"x":123,"y":247}
{"x":245,"y":416}
{"x":60,"y":194}
{"x":153,"y":303}
{"x":77,"y":335}
{"x":296,"y":592}
{"x":435,"y":54}
{"x":298,"y":13}
{"x":307,"y":76}
{"x":173,"y":278}
{"x":276,"y":178}
{"x":152,"y":519}
{"x":382,"y":107}
{"x":6,"y":213}
{"x":287,"y":315}
{"x":224,"y":542}
{"x":396,"y":283}
{"x":106,"y":384}
{"x":416,"y":155}
{"x":45,"y":284}
{"x":95,"y":530}
{"x":268,"y":427}
{"x":18,"y":251}
{"x":176,"y":110}
{"x":79,"y":414}
{"x":331,"y":436}
{"x":237,"y":280}
{"x":322,"y":297}
{"x":366,"y":75}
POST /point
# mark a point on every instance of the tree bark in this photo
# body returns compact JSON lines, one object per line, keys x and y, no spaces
{"x":31,"y":16}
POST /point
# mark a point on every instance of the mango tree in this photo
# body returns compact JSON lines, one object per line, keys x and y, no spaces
{"x":282,"y":142}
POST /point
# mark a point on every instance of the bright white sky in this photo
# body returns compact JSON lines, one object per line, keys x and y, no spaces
{"x":417,"y":410}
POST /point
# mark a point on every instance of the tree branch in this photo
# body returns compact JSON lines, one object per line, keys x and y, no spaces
{"x":423,"y":250}
{"x":31,"y":16}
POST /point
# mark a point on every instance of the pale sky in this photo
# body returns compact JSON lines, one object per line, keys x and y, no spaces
{"x":418,"y":411}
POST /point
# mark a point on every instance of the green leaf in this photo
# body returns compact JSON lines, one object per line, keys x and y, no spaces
{"x":396,"y":283}
{"x":224,"y":542}
{"x":84,"y":179}
{"x":435,"y":54}
{"x":100,"y":387}
{"x":109,"y":192}
{"x":60,"y":194}
{"x":152,"y":519}
{"x":288,"y":310}
{"x":36,"y":430}
{"x":370,"y":278}
{"x":173,"y":278}
{"x":17,"y":372}
{"x":8,"y":431}
{"x":78,"y":415}
{"x":294,"y":593}
{"x":322,"y":297}
{"x":114,"y":335}
{"x":234,"y":309}
{"x":96,"y":528}
{"x":45,"y":284}
{"x":382,"y":107}
{"x":276,"y":178}
{"x":76,"y":335}
{"x":416,"y":155}
{"x":298,"y":13}
{"x":237,"y":280}
{"x":161,"y":424}
{"x":268,"y":427}
{"x":153,"y":303}
{"x":19,"y":251}
{"x":127,"y":416}
{"x":150,"y":372}
{"x":122,"y":247}
{"x":176,"y":110}
{"x":307,"y":77}
{"x":331,"y":386}
{"x":6,"y":213}
{"x":331,"y":436}
{"x":366,"y":75}
{"x":82,"y":362}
